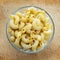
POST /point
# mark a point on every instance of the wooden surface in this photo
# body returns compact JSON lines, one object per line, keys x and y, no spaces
{"x":7,"y":52}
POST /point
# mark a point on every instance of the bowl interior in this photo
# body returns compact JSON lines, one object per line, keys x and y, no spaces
{"x":22,"y":10}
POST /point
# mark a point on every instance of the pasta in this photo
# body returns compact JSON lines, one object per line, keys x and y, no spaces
{"x":16,"y":43}
{"x":12,"y":38}
{"x":12,"y":25}
{"x":30,"y":30}
{"x":34,"y":46}
{"x":25,"y":46}
{"x":11,"y":32}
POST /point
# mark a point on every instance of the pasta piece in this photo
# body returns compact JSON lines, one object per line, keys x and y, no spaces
{"x":38,"y":37}
{"x":18,"y":34}
{"x":41,"y":12}
{"x":41,"y":45}
{"x":17,"y":43}
{"x":44,"y":29}
{"x":42,"y":18}
{"x":21,"y":25}
{"x":17,"y":19}
{"x":19,"y":14}
{"x":31,"y":19}
{"x":12,"y":17}
{"x":11,"y":32}
{"x":32,"y":35}
{"x":24,"y":19}
{"x":28,"y":27}
{"x":12,"y":38}
{"x":48,"y":32}
{"x":48,"y":25}
{"x":25,"y":46}
{"x":12,"y":25}
{"x":32,"y":10}
{"x":25,"y":40}
{"x":36,"y":24}
{"x":42,"y":36}
{"x":34,"y":46}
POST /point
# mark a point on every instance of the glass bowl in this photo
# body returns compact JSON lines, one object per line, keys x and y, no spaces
{"x":22,"y":9}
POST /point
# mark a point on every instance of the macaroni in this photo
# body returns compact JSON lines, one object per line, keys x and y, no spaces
{"x":30,"y":30}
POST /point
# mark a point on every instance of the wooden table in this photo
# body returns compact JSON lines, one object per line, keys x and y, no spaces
{"x":7,"y":52}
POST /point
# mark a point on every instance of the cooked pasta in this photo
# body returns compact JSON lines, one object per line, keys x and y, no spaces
{"x":30,"y":30}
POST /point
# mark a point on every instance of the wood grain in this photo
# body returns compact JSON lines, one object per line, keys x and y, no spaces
{"x":7,"y":52}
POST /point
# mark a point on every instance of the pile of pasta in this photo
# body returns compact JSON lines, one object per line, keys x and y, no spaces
{"x":30,"y":30}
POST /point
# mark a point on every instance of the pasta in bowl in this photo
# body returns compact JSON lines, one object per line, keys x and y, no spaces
{"x":30,"y":29}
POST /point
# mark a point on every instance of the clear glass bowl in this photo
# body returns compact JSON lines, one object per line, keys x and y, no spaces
{"x":22,"y":9}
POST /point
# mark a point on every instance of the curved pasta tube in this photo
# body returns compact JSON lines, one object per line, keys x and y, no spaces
{"x":24,"y":19}
{"x":21,"y":25}
{"x":36,"y":24}
{"x":41,"y":17}
{"x":42,"y":36}
{"x":19,"y":14}
{"x":48,"y":32}
{"x":34,"y":46}
{"x":11,"y":32}
{"x":17,"y":19}
{"x":38,"y":37}
{"x":25,"y":46}
{"x":32,"y":10}
{"x":18,"y":34}
{"x":48,"y":25}
{"x":12,"y":17}
{"x":12,"y":38}
{"x":44,"y":28}
{"x":32,"y":35}
{"x":31,"y":19}
{"x":17,"y":42}
{"x":41,"y":45}
{"x":12,"y":25}
{"x":41,"y":12}
{"x":25,"y":40}
{"x":28,"y":27}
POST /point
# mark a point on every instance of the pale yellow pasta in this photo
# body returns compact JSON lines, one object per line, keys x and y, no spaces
{"x":12,"y":25}
{"x":11,"y":32}
{"x":30,"y":30}
{"x":32,"y":10}
{"x":18,"y":34}
{"x":12,"y":38}
{"x":24,"y":39}
{"x":28,"y":27}
{"x":48,"y":25}
{"x":12,"y":17}
{"x":21,"y":25}
{"x":23,"y":19}
{"x":38,"y":37}
{"x":42,"y":36}
{"x":17,"y":19}
{"x":34,"y":46}
{"x":36,"y":24}
{"x":48,"y":32}
{"x":25,"y":46}
{"x":17,"y":42}
{"x":31,"y":19}
{"x":41,"y":45}
{"x":19,"y":14}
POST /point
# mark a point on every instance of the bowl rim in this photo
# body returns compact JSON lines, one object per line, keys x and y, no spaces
{"x":49,"y":41}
